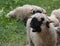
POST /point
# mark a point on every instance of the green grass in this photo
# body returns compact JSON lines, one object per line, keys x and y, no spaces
{"x":13,"y":33}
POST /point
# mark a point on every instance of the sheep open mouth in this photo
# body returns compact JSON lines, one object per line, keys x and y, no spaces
{"x":36,"y":30}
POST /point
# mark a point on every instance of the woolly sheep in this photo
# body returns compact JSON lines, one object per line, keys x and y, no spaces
{"x":54,"y":20}
{"x":56,"y":13}
{"x":40,"y":31}
{"x":25,"y":11}
{"x":55,"y":17}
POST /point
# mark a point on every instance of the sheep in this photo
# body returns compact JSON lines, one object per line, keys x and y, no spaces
{"x":25,"y":11}
{"x":40,"y":31}
{"x":54,"y":20}
{"x":56,"y":13}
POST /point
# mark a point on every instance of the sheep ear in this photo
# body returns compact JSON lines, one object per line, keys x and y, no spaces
{"x":48,"y":22}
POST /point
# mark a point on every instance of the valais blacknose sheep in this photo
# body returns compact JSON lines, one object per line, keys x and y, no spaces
{"x":40,"y":31}
{"x":56,"y":14}
{"x":25,"y":11}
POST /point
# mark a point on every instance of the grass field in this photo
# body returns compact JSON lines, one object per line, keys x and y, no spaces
{"x":13,"y":33}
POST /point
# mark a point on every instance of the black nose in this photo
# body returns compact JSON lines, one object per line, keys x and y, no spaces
{"x":36,"y":25}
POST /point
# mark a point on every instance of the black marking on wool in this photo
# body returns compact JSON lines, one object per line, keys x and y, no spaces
{"x":36,"y":25}
{"x":58,"y":30}
{"x":32,"y":44}
{"x":47,"y":24}
{"x":38,"y":11}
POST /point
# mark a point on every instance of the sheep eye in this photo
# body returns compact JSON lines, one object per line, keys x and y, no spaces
{"x":42,"y":19}
{"x":33,"y":12}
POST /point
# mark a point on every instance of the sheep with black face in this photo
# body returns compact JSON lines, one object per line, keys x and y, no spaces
{"x":40,"y":31}
{"x":25,"y":11}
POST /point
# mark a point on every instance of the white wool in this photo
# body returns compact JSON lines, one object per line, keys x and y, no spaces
{"x":47,"y":37}
{"x":24,"y":12}
{"x":35,"y":8}
{"x":54,"y":20}
{"x":56,"y":13}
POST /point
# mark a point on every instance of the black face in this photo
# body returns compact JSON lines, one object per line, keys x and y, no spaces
{"x":36,"y":25}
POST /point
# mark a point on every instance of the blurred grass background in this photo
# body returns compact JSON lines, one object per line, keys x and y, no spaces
{"x":13,"y":33}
